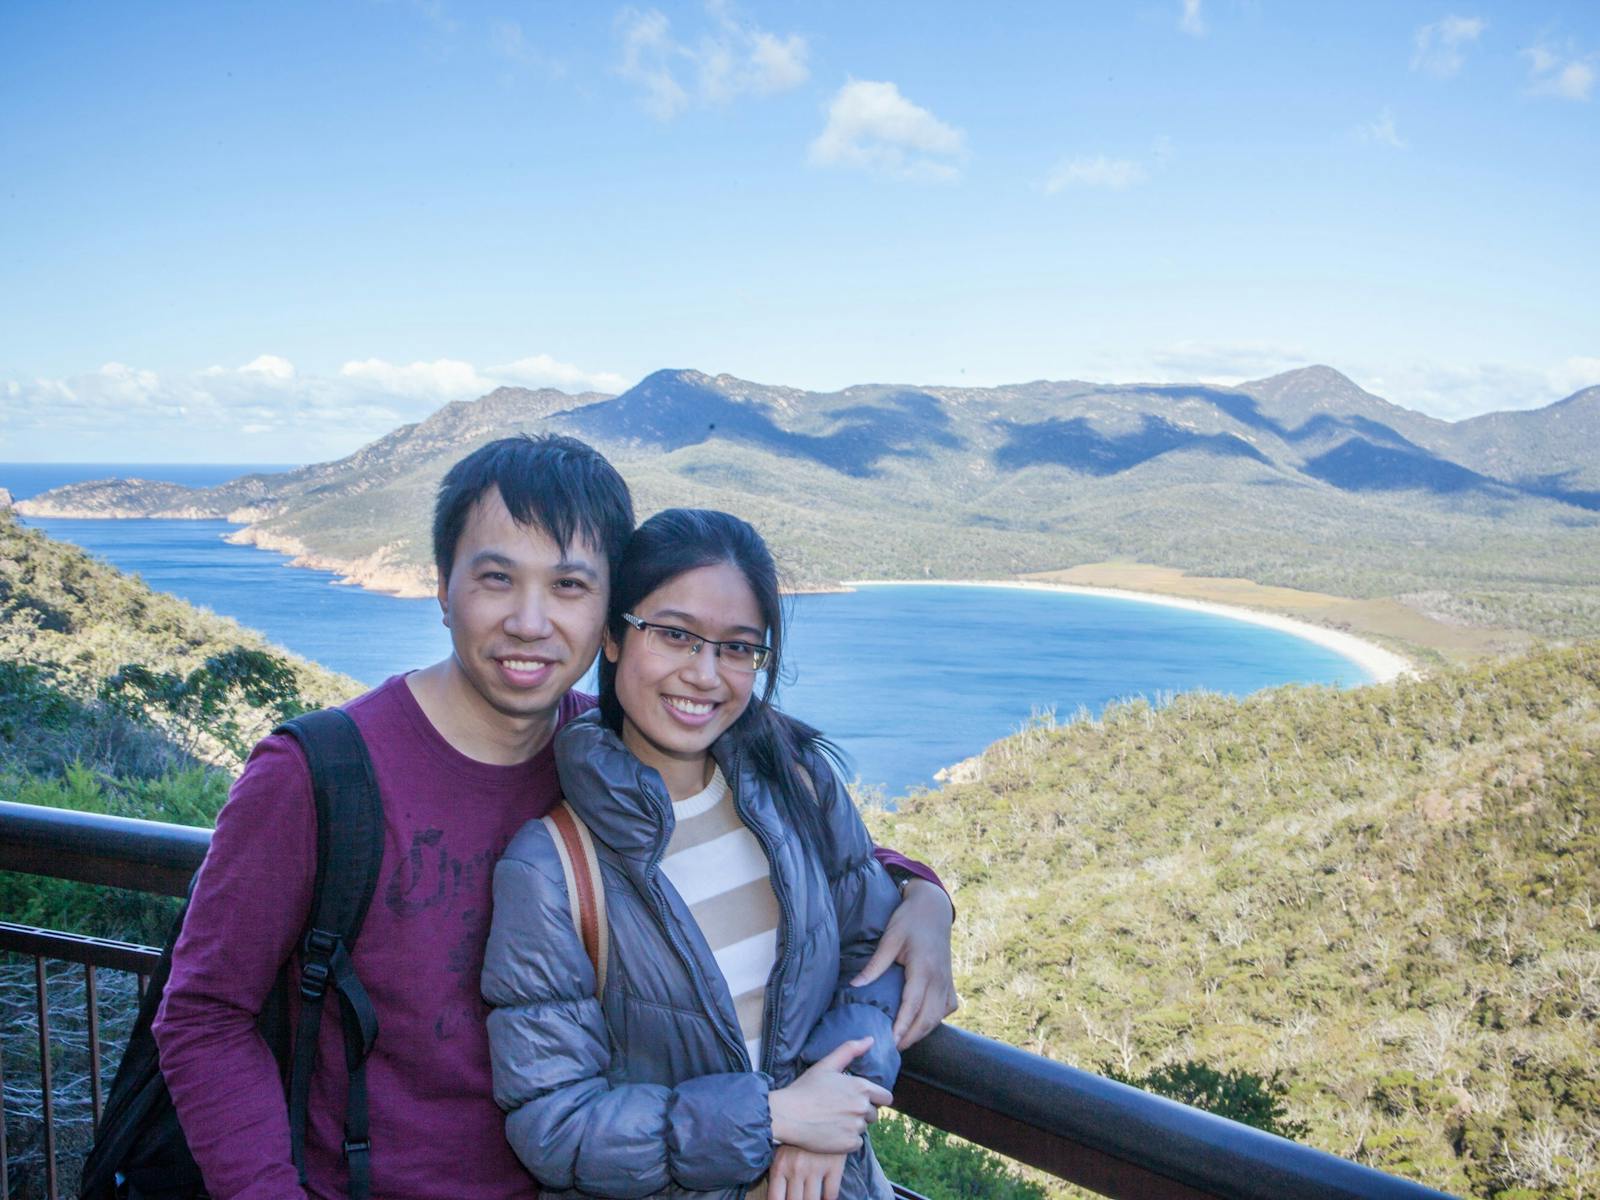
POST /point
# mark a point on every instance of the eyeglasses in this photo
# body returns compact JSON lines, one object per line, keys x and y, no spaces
{"x":671,"y":642}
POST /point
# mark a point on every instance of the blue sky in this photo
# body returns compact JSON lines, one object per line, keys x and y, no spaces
{"x":255,"y":233}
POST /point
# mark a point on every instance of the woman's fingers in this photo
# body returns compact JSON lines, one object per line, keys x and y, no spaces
{"x":833,"y":1178}
{"x":798,"y":1174}
{"x":842,"y":1055}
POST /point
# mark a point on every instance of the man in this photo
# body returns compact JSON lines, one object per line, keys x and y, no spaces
{"x":525,"y":532}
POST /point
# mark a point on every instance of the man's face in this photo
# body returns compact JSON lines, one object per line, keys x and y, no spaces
{"x":525,"y":616}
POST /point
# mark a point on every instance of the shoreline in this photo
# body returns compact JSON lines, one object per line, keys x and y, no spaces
{"x":378,"y":572}
{"x":1382,"y":664}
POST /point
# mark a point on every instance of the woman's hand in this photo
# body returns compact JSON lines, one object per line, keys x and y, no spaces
{"x":918,"y":938}
{"x":798,"y":1174}
{"x":825,"y":1110}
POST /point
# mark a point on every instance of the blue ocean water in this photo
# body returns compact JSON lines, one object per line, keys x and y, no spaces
{"x":906,"y":678}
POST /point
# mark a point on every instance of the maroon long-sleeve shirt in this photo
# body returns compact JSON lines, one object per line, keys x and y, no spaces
{"x":435,"y":1129}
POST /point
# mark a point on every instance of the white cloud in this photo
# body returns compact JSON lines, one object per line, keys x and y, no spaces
{"x":729,"y":59}
{"x":1574,"y":375}
{"x":1449,"y":391}
{"x":541,"y":370}
{"x":125,"y":413}
{"x":114,"y":400}
{"x":444,"y":378}
{"x":1562,"y":74}
{"x":1096,"y":172}
{"x":1454,"y":392}
{"x":509,"y":41}
{"x":1225,"y":362}
{"x":779,"y":63}
{"x":647,"y":51}
{"x":873,"y":127}
{"x":264,"y":368}
{"x":1190,"y":19}
{"x":270,"y":366}
{"x":1439,"y":49}
{"x":1382,"y":131}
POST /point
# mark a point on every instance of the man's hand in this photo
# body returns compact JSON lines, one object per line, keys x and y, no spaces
{"x":798,"y":1174}
{"x":918,"y":938}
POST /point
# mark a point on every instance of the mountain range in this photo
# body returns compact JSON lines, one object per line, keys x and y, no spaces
{"x":1302,"y":479}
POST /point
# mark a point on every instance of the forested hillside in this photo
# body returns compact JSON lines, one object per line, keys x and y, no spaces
{"x":1388,"y":897}
{"x":100,"y":643}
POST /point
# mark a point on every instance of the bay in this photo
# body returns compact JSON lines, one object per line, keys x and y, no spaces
{"x":906,"y":679}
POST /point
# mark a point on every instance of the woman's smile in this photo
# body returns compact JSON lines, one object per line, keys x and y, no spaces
{"x":690,"y":712}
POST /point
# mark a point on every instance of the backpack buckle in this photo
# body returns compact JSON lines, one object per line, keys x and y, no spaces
{"x":361,"y":1147}
{"x":320,"y":942}
{"x":314,"y":979}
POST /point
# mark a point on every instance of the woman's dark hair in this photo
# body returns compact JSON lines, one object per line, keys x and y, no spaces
{"x":676,"y":540}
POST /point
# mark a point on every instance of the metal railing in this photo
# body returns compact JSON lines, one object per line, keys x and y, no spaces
{"x":1107,"y":1137}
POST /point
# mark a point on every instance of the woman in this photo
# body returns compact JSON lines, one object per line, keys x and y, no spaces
{"x":741,"y":892}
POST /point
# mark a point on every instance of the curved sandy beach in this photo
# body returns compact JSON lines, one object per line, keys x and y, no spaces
{"x":1379,"y":663}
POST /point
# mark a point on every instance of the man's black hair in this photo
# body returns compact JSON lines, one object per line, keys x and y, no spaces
{"x":554,"y":483}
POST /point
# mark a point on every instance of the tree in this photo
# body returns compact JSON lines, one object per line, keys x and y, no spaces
{"x":228,"y":701}
{"x":1237,"y":1095}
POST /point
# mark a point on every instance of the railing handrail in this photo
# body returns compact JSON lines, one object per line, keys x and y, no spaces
{"x":1209,"y":1154}
{"x":1071,"y":1123}
{"x":125,"y":852}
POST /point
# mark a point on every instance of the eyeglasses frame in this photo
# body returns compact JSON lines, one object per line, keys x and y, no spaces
{"x":762,"y":652}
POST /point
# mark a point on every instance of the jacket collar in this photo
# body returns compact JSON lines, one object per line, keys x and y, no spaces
{"x":623,"y":802}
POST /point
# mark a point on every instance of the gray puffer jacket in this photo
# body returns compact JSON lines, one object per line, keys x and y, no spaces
{"x":648,"y":1090}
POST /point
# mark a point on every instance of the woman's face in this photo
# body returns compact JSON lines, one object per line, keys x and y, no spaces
{"x":675,"y":706}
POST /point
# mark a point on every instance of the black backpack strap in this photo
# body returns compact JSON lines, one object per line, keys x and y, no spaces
{"x":349,"y":851}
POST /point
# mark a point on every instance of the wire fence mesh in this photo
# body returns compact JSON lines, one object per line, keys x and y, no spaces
{"x":71,"y":1099}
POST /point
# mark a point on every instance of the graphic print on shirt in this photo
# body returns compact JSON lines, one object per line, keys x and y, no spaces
{"x":427,"y":884}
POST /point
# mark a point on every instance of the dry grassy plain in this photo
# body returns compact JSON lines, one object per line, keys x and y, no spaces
{"x":1385,"y":621}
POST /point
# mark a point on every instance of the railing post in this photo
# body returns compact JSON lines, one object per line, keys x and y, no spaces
{"x":43,"y":997}
{"x":5,"y":1156}
{"x":91,"y":1005}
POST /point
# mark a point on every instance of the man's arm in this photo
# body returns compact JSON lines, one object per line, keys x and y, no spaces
{"x":902,"y":868}
{"x":246,"y":913}
{"x":918,"y":938}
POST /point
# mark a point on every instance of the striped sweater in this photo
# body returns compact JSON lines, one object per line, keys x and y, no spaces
{"x":722,"y":874}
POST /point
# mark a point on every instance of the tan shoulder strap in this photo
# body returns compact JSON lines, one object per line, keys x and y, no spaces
{"x":586,"y":893}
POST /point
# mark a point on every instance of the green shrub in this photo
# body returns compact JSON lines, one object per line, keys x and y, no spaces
{"x":1237,"y":1095}
{"x":941,"y":1167}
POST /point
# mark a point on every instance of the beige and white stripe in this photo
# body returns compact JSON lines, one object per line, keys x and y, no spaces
{"x":721,"y":872}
